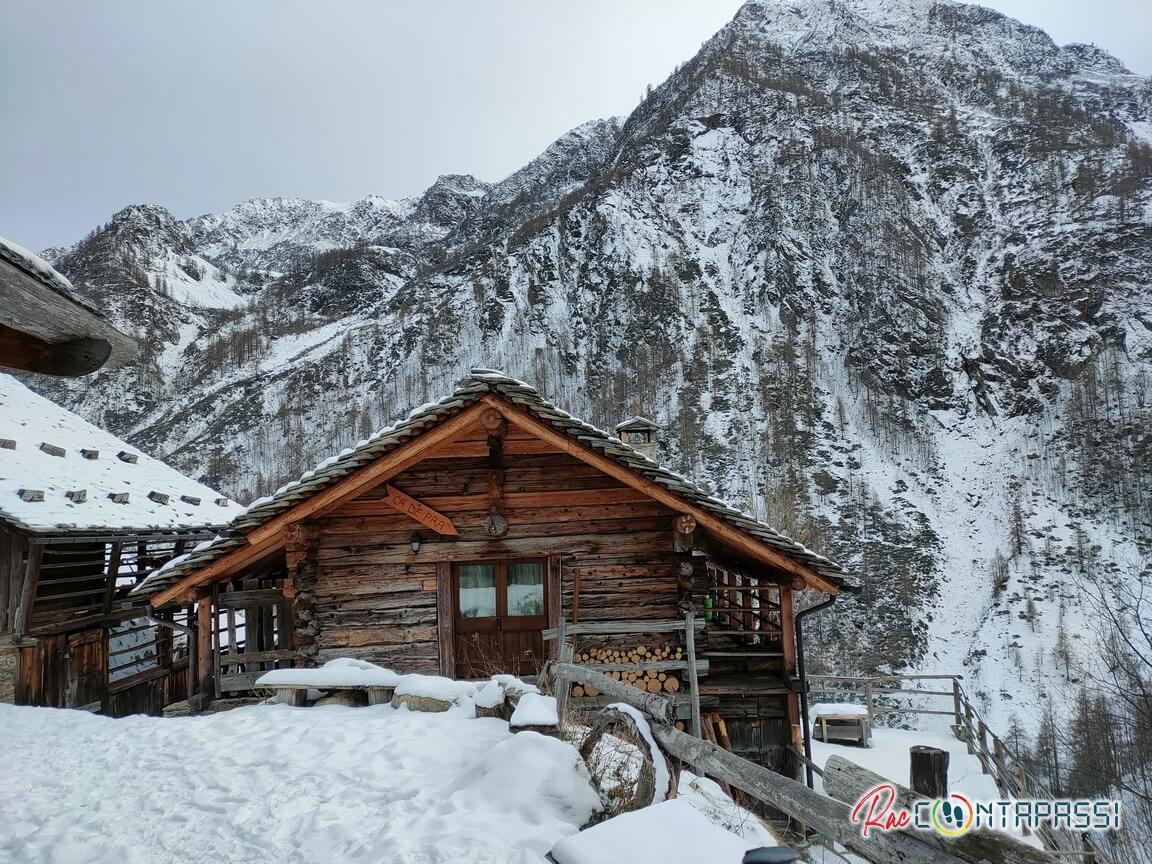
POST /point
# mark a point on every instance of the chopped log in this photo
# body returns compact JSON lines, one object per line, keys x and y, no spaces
{"x":828,"y":816}
{"x":621,"y":726}
{"x":929,"y":771}
{"x":657,"y":707}
{"x":671,"y":684}
{"x":577,"y":691}
{"x":846,"y":781}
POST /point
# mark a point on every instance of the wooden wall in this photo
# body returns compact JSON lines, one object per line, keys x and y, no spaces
{"x":370,"y":596}
{"x":13,"y":550}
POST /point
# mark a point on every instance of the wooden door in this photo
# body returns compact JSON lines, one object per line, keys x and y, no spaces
{"x":500,"y":613}
{"x":87,"y":674}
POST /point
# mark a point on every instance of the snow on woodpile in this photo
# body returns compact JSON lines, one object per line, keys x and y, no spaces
{"x":341,"y":672}
{"x":59,"y":472}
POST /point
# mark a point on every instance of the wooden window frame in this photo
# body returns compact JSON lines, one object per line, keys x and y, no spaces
{"x":501,"y":565}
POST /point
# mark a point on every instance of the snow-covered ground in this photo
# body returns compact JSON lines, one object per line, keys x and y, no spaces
{"x":270,"y":783}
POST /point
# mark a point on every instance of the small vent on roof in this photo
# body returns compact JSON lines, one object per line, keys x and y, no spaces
{"x":125,"y":456}
{"x":221,"y":502}
{"x":51,"y":449}
{"x":158,"y":497}
{"x":77,"y":496}
{"x":7,"y":444}
{"x":31,"y":494}
{"x":90,"y":454}
{"x":118,"y":497}
{"x":190,"y":499}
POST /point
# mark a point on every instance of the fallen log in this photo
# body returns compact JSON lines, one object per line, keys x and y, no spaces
{"x":846,"y":781}
{"x":829,"y":817}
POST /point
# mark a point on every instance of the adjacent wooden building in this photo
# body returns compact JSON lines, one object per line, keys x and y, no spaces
{"x":456,"y":541}
{"x":84,"y":517}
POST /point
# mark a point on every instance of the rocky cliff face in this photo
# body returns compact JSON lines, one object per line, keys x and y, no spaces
{"x":880,"y":267}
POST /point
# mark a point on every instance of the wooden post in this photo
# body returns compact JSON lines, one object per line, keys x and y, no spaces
{"x":693,"y":679}
{"x":445,"y":637}
{"x":204,"y":645}
{"x":563,"y":688}
{"x":870,"y":701}
{"x":999,"y":757}
{"x":114,"y":553}
{"x":28,"y":589}
{"x":929,"y":771}
{"x":1021,"y":786}
{"x":957,"y":709}
{"x":969,"y":728}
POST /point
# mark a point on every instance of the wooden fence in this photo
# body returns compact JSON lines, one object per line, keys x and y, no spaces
{"x":828,"y":816}
{"x":998,"y":760}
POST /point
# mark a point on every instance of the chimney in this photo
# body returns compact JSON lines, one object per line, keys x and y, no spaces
{"x":641,"y":435}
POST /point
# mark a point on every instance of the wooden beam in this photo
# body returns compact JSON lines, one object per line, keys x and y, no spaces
{"x":28,"y":589}
{"x":419,"y":511}
{"x":445,"y":619}
{"x":204,"y":645}
{"x":474,"y":449}
{"x":729,"y":534}
{"x":788,"y":645}
{"x":367,"y":476}
{"x":513,"y":500}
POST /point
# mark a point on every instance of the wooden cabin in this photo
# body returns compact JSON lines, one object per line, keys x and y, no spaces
{"x":454,"y":541}
{"x":45,"y":327}
{"x":84,"y":517}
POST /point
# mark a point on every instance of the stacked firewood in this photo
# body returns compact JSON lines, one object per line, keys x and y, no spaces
{"x":652,"y":680}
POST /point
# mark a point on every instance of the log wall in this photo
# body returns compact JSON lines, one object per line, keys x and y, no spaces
{"x":372,"y":597}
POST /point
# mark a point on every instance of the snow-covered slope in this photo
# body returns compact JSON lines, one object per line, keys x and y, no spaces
{"x":880,"y":267}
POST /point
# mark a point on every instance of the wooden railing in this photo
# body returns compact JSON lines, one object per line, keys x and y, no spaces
{"x":744,"y":608}
{"x":996,"y":759}
{"x":830,"y":818}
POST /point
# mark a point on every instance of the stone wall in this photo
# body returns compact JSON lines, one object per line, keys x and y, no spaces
{"x":9,"y":668}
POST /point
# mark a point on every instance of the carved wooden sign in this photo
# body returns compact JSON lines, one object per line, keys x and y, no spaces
{"x":423,"y":514}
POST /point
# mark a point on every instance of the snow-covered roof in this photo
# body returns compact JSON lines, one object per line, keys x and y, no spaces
{"x":41,"y":305}
{"x":40,"y":270}
{"x":59,"y":473}
{"x":469,"y":391}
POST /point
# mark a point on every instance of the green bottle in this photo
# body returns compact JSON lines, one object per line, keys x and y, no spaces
{"x":708,"y":609}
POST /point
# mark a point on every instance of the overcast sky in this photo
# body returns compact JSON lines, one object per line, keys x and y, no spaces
{"x":199,"y":105}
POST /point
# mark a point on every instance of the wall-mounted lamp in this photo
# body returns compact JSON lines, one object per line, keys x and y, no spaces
{"x":414,"y":541}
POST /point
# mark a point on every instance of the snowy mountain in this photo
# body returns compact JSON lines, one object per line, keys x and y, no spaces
{"x":880,"y":267}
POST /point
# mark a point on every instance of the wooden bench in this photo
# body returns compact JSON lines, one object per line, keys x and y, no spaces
{"x":844,"y":727}
{"x":297,"y":694}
